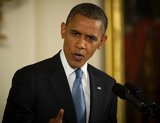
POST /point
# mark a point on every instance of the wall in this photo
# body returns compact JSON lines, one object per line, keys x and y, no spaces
{"x":51,"y":13}
{"x":32,"y":28}
{"x":19,"y":48}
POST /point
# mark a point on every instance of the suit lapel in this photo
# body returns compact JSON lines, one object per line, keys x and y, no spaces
{"x":96,"y":90}
{"x":61,"y":87}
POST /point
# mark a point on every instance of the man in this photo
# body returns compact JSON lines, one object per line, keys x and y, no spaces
{"x":43,"y":92}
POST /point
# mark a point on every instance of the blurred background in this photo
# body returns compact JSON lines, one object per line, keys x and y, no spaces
{"x":142,"y":52}
{"x":30,"y":32}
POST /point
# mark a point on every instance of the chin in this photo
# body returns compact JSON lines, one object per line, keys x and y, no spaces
{"x":76,"y":65}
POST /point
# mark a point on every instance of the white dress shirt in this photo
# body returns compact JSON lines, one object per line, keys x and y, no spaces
{"x":85,"y":80}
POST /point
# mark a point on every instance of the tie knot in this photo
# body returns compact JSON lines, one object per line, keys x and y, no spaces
{"x":79,"y":73}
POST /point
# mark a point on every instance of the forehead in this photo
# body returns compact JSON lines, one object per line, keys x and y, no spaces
{"x":82,"y":23}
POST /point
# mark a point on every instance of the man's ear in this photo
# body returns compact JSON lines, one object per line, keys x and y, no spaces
{"x":103,"y":40}
{"x":63,"y":29}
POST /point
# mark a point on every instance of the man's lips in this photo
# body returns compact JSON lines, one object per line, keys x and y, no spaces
{"x":78,"y":56}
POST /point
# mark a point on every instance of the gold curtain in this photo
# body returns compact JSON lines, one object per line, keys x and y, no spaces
{"x":114,"y":49}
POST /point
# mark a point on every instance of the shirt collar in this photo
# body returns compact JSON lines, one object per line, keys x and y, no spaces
{"x":69,"y":70}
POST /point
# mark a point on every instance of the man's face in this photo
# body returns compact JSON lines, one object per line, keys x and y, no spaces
{"x":82,"y":36}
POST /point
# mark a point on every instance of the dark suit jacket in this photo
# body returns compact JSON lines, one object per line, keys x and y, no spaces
{"x":38,"y":92}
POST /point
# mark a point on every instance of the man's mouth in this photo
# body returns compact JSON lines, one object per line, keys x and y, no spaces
{"x":78,"y":56}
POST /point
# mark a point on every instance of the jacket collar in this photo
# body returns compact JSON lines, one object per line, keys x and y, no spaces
{"x":61,"y":83}
{"x":61,"y":87}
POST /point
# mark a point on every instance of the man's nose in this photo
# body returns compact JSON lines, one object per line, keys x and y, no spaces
{"x":81,"y":43}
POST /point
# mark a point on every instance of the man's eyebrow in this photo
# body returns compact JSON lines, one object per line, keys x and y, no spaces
{"x":93,"y":37}
{"x":74,"y":31}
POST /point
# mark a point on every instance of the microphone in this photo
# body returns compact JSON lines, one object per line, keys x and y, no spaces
{"x":124,"y":93}
{"x":152,"y":106}
{"x":137,"y":93}
{"x":134,"y":95}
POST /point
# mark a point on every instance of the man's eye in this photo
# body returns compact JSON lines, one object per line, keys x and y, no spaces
{"x":91,"y":38}
{"x":75,"y":33}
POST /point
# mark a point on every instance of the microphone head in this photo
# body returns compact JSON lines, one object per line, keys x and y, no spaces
{"x":124,"y":93}
{"x":135,"y":91}
{"x":120,"y":90}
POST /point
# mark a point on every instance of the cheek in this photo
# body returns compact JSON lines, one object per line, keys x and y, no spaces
{"x":69,"y":43}
{"x":91,"y":49}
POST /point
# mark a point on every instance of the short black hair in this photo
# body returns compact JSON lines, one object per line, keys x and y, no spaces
{"x":91,"y":11}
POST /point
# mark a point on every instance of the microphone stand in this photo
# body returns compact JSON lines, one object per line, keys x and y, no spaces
{"x":134,"y":95}
{"x":149,"y":111}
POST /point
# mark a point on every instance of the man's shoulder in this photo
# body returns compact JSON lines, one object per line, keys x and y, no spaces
{"x":99,"y":73}
{"x":42,"y":66}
